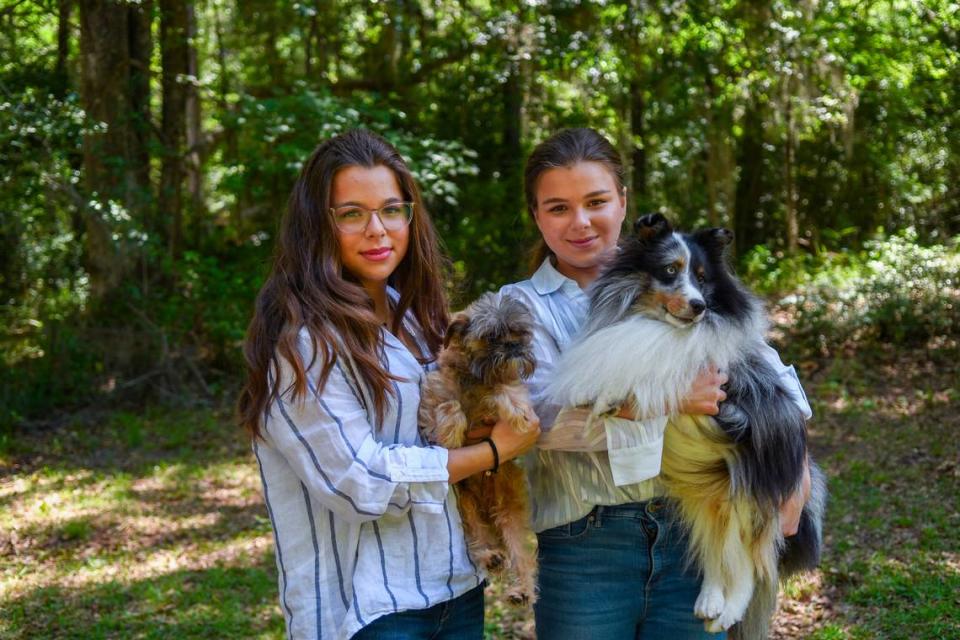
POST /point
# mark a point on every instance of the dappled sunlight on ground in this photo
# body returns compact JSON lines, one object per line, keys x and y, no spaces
{"x":154,"y":526}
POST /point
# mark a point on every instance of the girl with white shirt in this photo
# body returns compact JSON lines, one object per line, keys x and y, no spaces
{"x":368,"y":538}
{"x":612,"y":557}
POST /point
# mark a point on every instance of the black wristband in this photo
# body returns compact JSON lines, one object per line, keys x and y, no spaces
{"x":496,"y":456}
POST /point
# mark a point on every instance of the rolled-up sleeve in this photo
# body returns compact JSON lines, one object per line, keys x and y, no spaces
{"x":789,"y":378}
{"x":635,"y":448}
{"x":330,"y":445}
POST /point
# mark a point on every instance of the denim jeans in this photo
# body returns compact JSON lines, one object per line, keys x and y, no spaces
{"x":451,"y":620}
{"x":618,"y":573}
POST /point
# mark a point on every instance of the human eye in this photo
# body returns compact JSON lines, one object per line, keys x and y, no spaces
{"x":349,"y":213}
{"x":597,"y":202}
{"x":558,"y":209}
{"x":392,"y":210}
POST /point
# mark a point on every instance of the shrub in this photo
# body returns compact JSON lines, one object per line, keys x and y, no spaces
{"x":895,"y":291}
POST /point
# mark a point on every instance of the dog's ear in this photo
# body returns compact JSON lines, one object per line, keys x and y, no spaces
{"x":715,"y":239}
{"x":456,"y":329}
{"x":652,"y":225}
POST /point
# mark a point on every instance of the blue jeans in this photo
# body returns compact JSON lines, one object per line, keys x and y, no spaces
{"x":451,"y":620}
{"x":618,"y":573}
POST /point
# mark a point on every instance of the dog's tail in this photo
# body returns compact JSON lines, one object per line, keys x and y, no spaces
{"x":802,"y":551}
{"x":755,"y":624}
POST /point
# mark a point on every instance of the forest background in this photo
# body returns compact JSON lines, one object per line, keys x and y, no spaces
{"x":146,"y":152}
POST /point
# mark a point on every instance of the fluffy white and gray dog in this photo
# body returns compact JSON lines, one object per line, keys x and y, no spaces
{"x":667,"y":305}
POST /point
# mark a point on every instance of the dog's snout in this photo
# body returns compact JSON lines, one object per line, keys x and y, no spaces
{"x":698,"y":306}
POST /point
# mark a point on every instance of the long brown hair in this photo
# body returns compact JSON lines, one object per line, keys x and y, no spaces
{"x":308,"y":288}
{"x":566,"y":148}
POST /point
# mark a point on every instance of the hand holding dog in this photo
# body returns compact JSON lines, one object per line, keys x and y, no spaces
{"x":706,"y":393}
{"x":703,"y":398}
{"x":512,"y":443}
{"x":504,"y":436}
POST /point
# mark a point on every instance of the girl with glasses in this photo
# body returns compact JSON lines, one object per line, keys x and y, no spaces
{"x":369,"y":542}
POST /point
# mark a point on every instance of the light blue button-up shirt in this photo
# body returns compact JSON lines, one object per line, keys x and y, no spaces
{"x":566,"y":484}
{"x":363,"y":519}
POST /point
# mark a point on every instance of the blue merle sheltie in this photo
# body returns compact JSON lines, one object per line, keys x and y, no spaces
{"x":666,"y":305}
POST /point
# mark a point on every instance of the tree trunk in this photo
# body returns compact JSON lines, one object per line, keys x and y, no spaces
{"x":105,"y":76}
{"x":140,"y":17}
{"x":195,"y":139}
{"x":512,"y":121}
{"x":750,"y":184}
{"x":720,"y":178}
{"x":790,"y":195}
{"x":274,"y":64}
{"x":106,"y":68}
{"x":175,"y":60}
{"x":64,"y":9}
{"x":322,"y":22}
{"x":638,"y":137}
{"x":308,"y":45}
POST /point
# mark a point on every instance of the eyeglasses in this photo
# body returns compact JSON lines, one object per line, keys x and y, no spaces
{"x":352,"y":218}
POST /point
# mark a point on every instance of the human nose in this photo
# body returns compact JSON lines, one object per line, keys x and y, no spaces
{"x":581,"y":217}
{"x":375,"y":225}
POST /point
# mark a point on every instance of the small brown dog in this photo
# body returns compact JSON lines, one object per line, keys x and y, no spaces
{"x":487,"y":353}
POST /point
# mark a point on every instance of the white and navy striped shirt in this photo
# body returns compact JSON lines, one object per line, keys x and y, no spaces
{"x":566,"y":482}
{"x":363,"y":519}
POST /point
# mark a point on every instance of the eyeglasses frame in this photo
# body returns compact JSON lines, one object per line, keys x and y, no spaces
{"x":372,"y":212}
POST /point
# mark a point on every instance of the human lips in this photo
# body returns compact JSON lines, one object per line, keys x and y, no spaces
{"x":582,"y":243}
{"x":377,"y":255}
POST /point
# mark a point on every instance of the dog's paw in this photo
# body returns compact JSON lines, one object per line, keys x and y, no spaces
{"x":519,"y":598}
{"x":492,"y":561}
{"x":709,"y":605}
{"x":722,"y":622}
{"x":451,"y":425}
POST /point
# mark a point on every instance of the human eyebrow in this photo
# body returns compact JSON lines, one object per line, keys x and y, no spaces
{"x":594,"y":194}
{"x":350,"y":203}
{"x":553,"y":200}
{"x":354,"y":203}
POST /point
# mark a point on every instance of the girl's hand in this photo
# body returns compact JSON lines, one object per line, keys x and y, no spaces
{"x":705,"y":393}
{"x":792,"y":507}
{"x":511,"y":443}
{"x":478,"y":432}
{"x":476,"y":456}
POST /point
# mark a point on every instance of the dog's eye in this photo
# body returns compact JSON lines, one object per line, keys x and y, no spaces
{"x":671,"y":270}
{"x":701,"y":277}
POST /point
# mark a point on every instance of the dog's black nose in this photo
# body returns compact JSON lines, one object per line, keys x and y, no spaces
{"x":697,"y":306}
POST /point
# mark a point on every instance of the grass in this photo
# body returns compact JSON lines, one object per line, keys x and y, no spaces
{"x":887,"y":432}
{"x":151,"y":524}
{"x":145,"y":526}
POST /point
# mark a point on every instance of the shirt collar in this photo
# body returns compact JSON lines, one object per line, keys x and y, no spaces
{"x":547,"y":280}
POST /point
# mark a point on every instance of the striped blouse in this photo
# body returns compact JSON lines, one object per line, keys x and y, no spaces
{"x":566,"y":484}
{"x":363,"y":519}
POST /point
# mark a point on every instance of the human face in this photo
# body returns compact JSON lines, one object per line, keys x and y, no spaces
{"x":374,"y":253}
{"x":579,"y":213}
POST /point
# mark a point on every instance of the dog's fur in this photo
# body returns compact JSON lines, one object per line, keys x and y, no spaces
{"x":667,"y":305}
{"x":487,"y":353}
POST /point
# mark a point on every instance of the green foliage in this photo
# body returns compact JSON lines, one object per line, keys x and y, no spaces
{"x":835,"y":116}
{"x":275,"y":135}
{"x":894,"y":291}
{"x":40,"y":261}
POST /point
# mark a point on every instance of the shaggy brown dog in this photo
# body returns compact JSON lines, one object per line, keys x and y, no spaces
{"x":487,"y":353}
